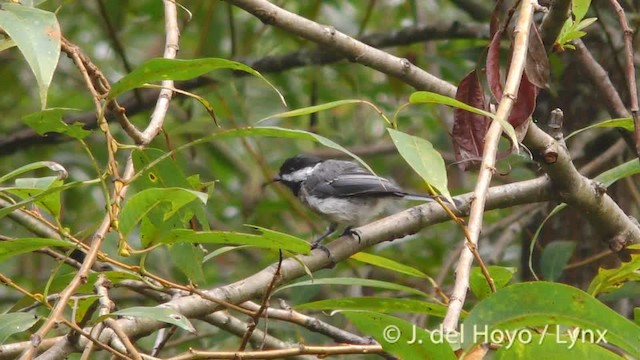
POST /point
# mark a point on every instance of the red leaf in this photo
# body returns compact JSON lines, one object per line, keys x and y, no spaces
{"x":537,"y":63}
{"x":469,"y":129}
{"x":525,"y":102}
{"x":493,"y":66}
{"x":496,"y":18}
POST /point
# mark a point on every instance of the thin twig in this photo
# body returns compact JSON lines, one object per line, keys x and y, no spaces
{"x":313,"y":324}
{"x":263,"y":306}
{"x":321,"y":351}
{"x":521,"y":39}
{"x":630,"y":70}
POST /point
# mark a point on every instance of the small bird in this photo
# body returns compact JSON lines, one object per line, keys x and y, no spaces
{"x":340,"y":191}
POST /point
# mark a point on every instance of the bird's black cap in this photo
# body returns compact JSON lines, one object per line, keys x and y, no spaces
{"x":298,"y":162}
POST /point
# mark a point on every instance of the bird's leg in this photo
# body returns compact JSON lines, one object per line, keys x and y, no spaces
{"x":316,"y":243}
{"x":350,"y":231}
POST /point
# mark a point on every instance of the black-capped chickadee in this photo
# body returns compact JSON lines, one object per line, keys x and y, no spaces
{"x":340,"y":191}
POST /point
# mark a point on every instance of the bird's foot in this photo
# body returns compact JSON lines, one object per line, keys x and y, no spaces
{"x":352,"y":232}
{"x":332,"y":263}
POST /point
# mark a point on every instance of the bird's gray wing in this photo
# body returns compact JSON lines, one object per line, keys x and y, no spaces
{"x":361,"y":184}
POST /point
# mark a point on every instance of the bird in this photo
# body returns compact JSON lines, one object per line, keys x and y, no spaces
{"x":340,"y":191}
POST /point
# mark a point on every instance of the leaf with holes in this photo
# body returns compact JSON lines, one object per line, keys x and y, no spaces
{"x":608,"y":280}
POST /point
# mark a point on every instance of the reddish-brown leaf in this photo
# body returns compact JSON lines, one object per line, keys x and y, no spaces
{"x":537,"y":64}
{"x":496,"y":18}
{"x":493,"y":66}
{"x":469,"y":129}
{"x":525,"y":102}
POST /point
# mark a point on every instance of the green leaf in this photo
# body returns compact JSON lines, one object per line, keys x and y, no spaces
{"x":317,"y":108}
{"x":12,"y":248}
{"x":167,"y":174}
{"x":6,"y":43}
{"x":13,"y":323}
{"x":400,"y":337}
{"x":50,"y":120}
{"x":62,"y":172}
{"x":542,"y":304}
{"x":554,"y":258}
{"x":140,"y":204}
{"x":377,"y":304}
{"x":534,"y":238}
{"x":277,"y":237}
{"x":527,"y":344}
{"x":188,"y":259}
{"x":426,"y":97}
{"x":629,"y":290}
{"x":608,"y":280}
{"x":267,"y":240}
{"x":29,"y":187}
{"x":621,"y":171}
{"x":223,"y":250}
{"x":266,"y":131}
{"x":177,"y":69}
{"x":115,"y":277}
{"x":164,"y":314}
{"x":500,"y":275}
{"x":356,"y":282}
{"x":572,"y":35}
{"x":584,"y":23}
{"x":579,"y":8}
{"x":389,"y":264}
{"x":625,"y":123}
{"x":9,"y":209}
{"x":37,"y":34}
{"x":423,"y":159}
{"x":81,"y":305}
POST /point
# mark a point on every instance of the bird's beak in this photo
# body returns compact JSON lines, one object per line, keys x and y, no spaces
{"x":274,"y":179}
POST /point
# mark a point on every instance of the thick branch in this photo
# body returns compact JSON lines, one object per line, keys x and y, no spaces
{"x":588,"y":196}
{"x":553,"y":22}
{"x":393,"y":227}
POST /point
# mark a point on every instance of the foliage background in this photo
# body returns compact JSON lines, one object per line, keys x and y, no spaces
{"x":120,"y":35}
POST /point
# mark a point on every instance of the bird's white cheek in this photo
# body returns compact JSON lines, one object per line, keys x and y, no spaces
{"x":299,"y":175}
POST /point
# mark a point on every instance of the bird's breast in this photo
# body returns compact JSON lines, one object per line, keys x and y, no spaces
{"x":350,"y":211}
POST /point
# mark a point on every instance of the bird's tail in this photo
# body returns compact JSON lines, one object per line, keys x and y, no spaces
{"x":426,"y":198}
{"x":420,"y":197}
